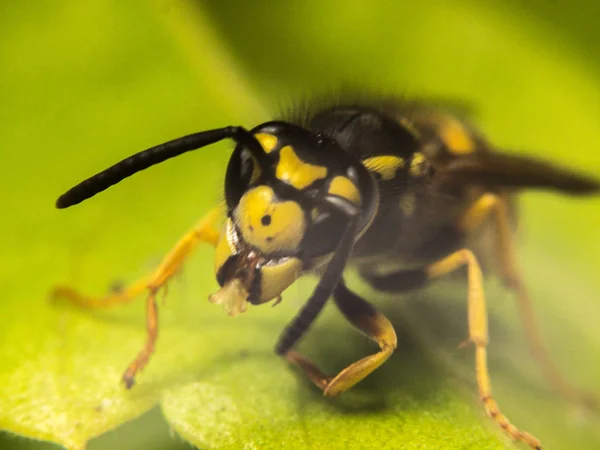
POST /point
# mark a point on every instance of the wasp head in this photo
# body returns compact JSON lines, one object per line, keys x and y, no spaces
{"x":277,"y":226}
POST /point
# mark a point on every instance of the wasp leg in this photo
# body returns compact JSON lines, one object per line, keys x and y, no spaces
{"x":361,"y":313}
{"x":497,"y":206}
{"x":204,"y":231}
{"x":366,"y":318}
{"x":478,"y":335}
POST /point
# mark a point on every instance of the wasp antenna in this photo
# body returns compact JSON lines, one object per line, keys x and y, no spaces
{"x":155,"y":155}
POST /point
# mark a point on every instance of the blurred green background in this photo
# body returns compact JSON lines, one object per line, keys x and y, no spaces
{"x":83,"y":84}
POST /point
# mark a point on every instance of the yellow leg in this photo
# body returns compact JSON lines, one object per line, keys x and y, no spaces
{"x":204,"y":231}
{"x":143,"y":356}
{"x":478,"y":335}
{"x":498,"y":208}
{"x":366,"y":318}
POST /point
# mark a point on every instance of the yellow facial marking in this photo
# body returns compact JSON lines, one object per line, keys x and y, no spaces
{"x":268,"y":141}
{"x":456,"y":137}
{"x":293,"y":171}
{"x":277,"y":277}
{"x":385,"y":166}
{"x":344,"y":188}
{"x":268,"y":224}
{"x":418,"y":164}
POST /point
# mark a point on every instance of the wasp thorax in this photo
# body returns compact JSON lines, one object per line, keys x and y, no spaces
{"x":268,"y":224}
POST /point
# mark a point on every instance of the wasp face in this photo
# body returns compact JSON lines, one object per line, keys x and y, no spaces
{"x":260,"y":253}
{"x":276,"y":227}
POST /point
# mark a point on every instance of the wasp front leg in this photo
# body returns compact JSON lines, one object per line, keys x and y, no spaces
{"x":371,"y":322}
{"x":357,"y":310}
{"x":204,"y":231}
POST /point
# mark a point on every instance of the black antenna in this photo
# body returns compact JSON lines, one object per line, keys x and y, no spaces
{"x":155,"y":155}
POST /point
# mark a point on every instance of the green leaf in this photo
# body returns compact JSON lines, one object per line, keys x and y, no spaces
{"x":83,"y":85}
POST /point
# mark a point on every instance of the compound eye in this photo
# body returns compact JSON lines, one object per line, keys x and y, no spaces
{"x":242,"y":172}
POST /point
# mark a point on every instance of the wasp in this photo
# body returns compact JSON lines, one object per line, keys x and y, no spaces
{"x":396,"y":188}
